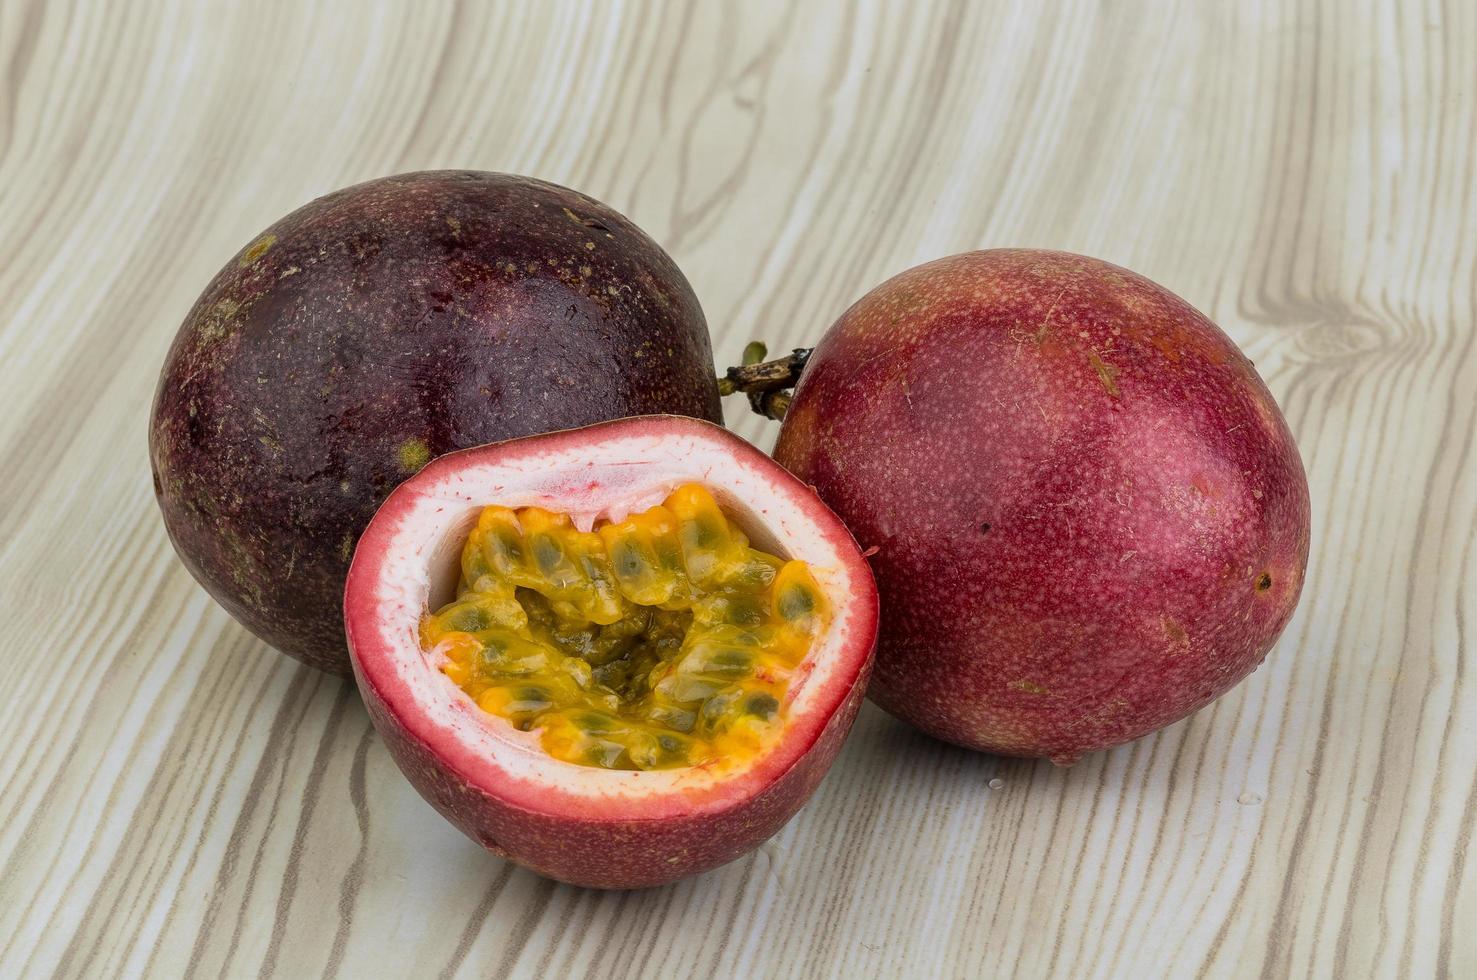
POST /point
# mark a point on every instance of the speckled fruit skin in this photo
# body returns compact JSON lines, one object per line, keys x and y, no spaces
{"x":1090,"y":517}
{"x":381,"y":326}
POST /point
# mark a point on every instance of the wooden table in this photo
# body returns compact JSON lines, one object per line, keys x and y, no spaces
{"x":177,"y":797}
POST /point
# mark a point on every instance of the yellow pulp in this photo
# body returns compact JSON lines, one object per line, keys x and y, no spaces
{"x":660,"y":641}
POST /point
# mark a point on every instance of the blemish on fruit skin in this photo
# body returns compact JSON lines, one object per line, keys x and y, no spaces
{"x":1264,"y":581}
{"x":258,"y":249}
{"x":1029,"y":687}
{"x":1046,"y":320}
{"x":413,"y":454}
{"x":1106,"y":373}
{"x":213,"y":329}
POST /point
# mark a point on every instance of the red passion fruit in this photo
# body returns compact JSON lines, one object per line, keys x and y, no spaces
{"x":381,"y":326}
{"x":1089,"y":516}
{"x":616,"y":655}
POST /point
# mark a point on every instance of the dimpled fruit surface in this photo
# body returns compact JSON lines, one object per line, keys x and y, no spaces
{"x":1089,"y":515}
{"x":377,"y":328}
{"x":659,"y":641}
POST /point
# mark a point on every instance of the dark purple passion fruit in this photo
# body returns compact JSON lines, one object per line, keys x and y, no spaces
{"x":377,"y":328}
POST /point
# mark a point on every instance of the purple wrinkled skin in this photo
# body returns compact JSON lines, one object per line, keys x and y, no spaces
{"x":376,"y":328}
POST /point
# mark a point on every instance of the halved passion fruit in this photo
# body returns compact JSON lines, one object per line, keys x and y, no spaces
{"x":616,"y":655}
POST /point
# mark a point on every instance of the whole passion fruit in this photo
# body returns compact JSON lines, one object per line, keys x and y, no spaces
{"x":617,"y":655}
{"x":377,"y":328}
{"x":1088,"y":514}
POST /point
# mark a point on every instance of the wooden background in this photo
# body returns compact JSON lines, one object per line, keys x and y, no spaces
{"x":175,"y":797}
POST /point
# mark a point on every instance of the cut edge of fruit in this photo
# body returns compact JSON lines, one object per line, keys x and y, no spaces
{"x":405,"y":564}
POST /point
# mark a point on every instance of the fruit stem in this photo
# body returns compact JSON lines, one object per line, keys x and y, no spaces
{"x":767,"y":383}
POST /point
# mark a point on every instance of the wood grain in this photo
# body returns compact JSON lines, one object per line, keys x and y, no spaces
{"x":177,"y":799}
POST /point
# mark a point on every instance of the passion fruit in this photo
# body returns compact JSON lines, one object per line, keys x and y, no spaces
{"x":377,"y":328}
{"x":1089,"y":517}
{"x":617,"y":655}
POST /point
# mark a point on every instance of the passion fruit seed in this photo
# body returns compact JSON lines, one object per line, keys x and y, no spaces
{"x":659,"y":641}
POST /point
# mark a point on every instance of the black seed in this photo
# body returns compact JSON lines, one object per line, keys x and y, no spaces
{"x":596,"y":722}
{"x":754,"y":575}
{"x":546,"y":553}
{"x":669,"y":556}
{"x":729,"y":663}
{"x":477,"y":566}
{"x":700,"y":534}
{"x":509,"y":545}
{"x":677,"y":719}
{"x":715,"y":708}
{"x":796,"y":603}
{"x":762,"y":705}
{"x":607,"y":755}
{"x":741,"y":612}
{"x":614,"y":675}
{"x":628,"y":563}
{"x":469,"y":619}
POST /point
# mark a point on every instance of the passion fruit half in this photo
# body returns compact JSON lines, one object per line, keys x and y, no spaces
{"x":616,"y":655}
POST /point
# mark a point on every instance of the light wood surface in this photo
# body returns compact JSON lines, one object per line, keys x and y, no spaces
{"x":176,"y":798}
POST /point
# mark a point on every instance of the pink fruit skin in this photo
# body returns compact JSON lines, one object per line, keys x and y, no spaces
{"x":1089,"y":514}
{"x":612,"y":853}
